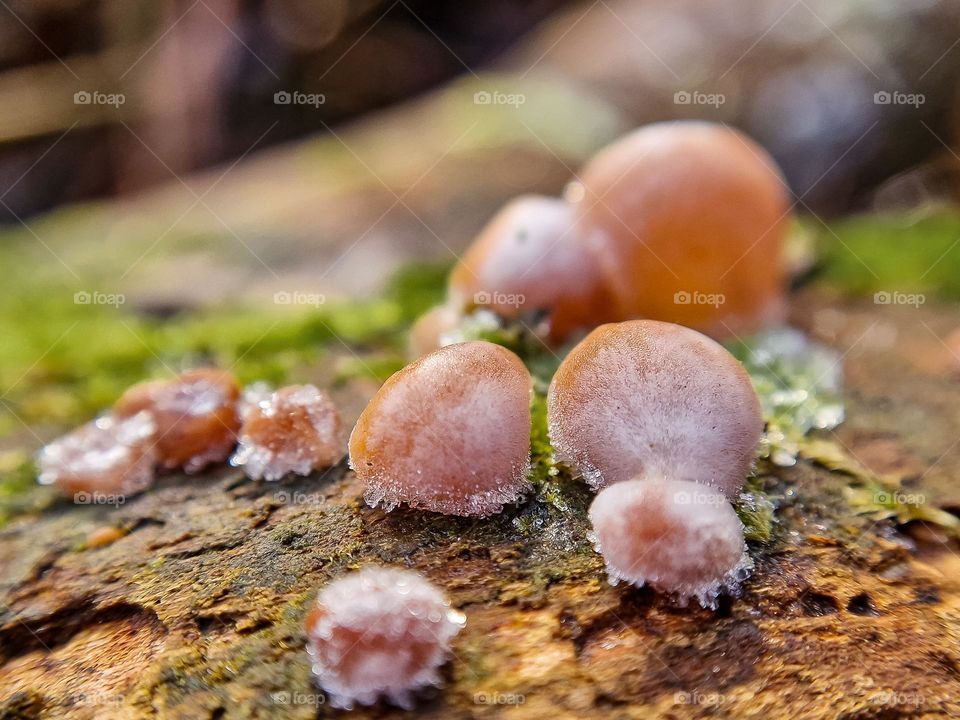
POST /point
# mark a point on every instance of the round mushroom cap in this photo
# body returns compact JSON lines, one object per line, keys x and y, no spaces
{"x":647,"y":399}
{"x":677,"y":536}
{"x":688,"y":221}
{"x":448,"y":433}
{"x":529,"y":260}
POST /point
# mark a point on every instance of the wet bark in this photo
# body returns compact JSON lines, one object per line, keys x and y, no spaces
{"x":196,"y":609}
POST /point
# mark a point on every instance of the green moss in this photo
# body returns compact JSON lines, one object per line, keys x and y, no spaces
{"x":915,"y":252}
{"x":756,"y":511}
{"x":19,"y":492}
{"x":62,"y":362}
{"x":880,"y":501}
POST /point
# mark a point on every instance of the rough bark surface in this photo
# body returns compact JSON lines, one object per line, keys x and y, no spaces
{"x":196,"y":610}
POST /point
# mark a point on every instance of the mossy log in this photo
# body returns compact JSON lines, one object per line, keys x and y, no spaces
{"x":195,"y":608}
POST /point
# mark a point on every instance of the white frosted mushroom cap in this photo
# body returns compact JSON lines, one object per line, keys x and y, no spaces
{"x":109,"y":455}
{"x":448,"y":433}
{"x":529,"y":258}
{"x":428,"y":332}
{"x":295,"y":429}
{"x":677,"y":536}
{"x":645,"y":399}
{"x":379,"y":632}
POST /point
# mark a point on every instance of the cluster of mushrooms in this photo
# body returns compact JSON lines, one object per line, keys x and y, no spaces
{"x":674,"y":230}
{"x":188,"y":422}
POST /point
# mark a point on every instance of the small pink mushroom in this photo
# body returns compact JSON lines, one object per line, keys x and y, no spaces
{"x":195,"y":414}
{"x":379,"y":632}
{"x":108,"y":456}
{"x":293,"y":430}
{"x":449,"y":433}
{"x":528,"y":259}
{"x":645,"y":399}
{"x":430,"y":329}
{"x":677,"y":536}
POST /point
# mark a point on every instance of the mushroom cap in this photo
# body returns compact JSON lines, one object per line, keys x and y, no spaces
{"x":528,"y":258}
{"x":677,"y":536}
{"x":646,"y":399}
{"x":295,"y":429}
{"x":195,"y":413}
{"x":428,"y":330}
{"x":379,"y":632}
{"x":448,"y":433}
{"x":106,"y":456}
{"x":687,"y":220}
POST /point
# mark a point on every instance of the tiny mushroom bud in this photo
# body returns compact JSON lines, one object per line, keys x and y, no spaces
{"x":295,"y":429}
{"x":678,"y":536}
{"x":688,"y":221}
{"x":195,"y":413}
{"x":449,"y":433}
{"x":109,"y":455}
{"x":646,"y":399}
{"x":379,"y":632}
{"x":427,"y":333}
{"x":528,"y":260}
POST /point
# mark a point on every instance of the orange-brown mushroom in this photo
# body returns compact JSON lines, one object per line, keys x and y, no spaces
{"x":527,"y":261}
{"x":687,"y":220}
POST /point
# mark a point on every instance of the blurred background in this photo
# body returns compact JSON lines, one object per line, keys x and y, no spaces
{"x":164,"y":159}
{"x":382,"y":123}
{"x":106,"y":98}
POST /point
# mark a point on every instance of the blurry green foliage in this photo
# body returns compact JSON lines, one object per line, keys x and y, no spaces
{"x":912,"y":252}
{"x":61,"y":362}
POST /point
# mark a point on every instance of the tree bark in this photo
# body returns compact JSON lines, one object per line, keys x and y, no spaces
{"x":196,"y":610}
